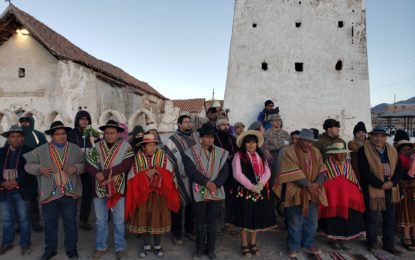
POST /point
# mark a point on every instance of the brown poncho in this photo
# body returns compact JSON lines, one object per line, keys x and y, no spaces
{"x":293,"y":167}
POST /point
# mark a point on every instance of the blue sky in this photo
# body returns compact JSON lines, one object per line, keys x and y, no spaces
{"x":181,"y":47}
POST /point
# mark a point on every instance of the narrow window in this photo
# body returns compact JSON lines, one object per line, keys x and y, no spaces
{"x":254,"y":25}
{"x":264,"y":66}
{"x":298,"y":66}
{"x":298,"y":24}
{"x":339,"y":65}
{"x":21,"y":72}
{"x":340,"y":24}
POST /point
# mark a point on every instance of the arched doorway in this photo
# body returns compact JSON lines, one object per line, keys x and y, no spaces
{"x":57,"y":115}
{"x":111,"y":114}
{"x":7,"y":118}
{"x":141,"y":117}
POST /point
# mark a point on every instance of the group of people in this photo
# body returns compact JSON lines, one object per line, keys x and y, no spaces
{"x":151,"y":188}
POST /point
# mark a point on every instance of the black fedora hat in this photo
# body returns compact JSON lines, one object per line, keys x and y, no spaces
{"x":55,"y":126}
{"x":112,"y":124}
{"x":206,"y":129}
{"x":13,"y":129}
{"x":379,"y":129}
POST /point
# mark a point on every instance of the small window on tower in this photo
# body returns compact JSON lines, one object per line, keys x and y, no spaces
{"x":21,"y":72}
{"x":339,"y":65}
{"x":298,"y":66}
{"x":264,"y":66}
{"x":340,"y":24}
{"x":298,"y":24}
{"x":254,"y":25}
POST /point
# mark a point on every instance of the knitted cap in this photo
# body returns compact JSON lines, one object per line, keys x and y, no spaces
{"x":359,"y":127}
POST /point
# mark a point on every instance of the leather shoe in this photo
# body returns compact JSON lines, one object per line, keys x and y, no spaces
{"x":392,"y":249}
{"x":4,"y":249}
{"x":73,"y":254}
{"x":48,"y":255}
{"x":37,"y":227}
{"x":333,"y":244}
{"x":85,"y":226}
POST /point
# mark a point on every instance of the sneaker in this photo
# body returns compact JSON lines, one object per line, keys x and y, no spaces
{"x":4,"y":249}
{"x":177,"y":241}
{"x":37,"y":227}
{"x":145,"y":251}
{"x":158,"y":251}
{"x":312,"y":250}
{"x":292,"y":254}
{"x":73,"y":254}
{"x":26,"y":250}
{"x":121,"y":255}
{"x":98,"y":253}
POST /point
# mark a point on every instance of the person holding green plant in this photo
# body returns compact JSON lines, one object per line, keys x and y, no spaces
{"x":84,"y":135}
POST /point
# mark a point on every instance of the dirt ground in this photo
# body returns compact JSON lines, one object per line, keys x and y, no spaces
{"x":271,"y":243}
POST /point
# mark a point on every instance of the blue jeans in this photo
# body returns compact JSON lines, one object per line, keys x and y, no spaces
{"x":101,"y":213}
{"x":64,"y":207}
{"x":301,"y":230}
{"x":12,"y":205}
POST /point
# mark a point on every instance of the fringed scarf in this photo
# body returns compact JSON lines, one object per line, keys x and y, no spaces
{"x":140,"y":186}
{"x":59,"y":157}
{"x":103,"y":157}
{"x":377,"y":196}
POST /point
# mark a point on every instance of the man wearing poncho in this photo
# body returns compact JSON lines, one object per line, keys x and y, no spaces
{"x":108,"y":163}
{"x":207,"y":169}
{"x":151,"y":195}
{"x":57,"y":166}
{"x":299,"y":185}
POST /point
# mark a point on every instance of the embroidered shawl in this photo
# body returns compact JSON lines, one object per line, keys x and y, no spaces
{"x":209,"y":164}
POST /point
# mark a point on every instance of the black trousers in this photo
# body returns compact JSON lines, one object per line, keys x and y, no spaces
{"x":177,"y":219}
{"x":206,"y":216}
{"x":86,"y":200}
{"x":34,"y":209}
{"x":388,"y":221}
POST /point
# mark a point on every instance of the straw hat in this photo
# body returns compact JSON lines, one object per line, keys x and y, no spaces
{"x":336,"y":148}
{"x":242,"y":136}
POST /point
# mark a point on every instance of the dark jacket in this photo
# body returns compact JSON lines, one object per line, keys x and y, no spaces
{"x":325,"y":140}
{"x":368,"y":177}
{"x":33,"y":138}
{"x":26,"y":182}
{"x":75,"y":136}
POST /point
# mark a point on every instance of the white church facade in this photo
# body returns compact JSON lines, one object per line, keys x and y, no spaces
{"x":44,"y":74}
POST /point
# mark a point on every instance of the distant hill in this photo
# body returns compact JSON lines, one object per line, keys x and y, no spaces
{"x":379,"y":107}
{"x":382,"y":106}
{"x":411,"y":100}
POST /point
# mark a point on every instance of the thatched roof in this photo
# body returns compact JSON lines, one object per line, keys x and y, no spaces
{"x":13,"y":18}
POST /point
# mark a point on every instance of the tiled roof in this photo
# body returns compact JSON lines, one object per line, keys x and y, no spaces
{"x":209,"y":103}
{"x":195,"y":105}
{"x":60,"y":47}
